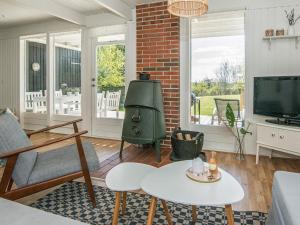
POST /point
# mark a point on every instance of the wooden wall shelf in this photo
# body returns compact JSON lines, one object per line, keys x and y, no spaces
{"x":274,"y":38}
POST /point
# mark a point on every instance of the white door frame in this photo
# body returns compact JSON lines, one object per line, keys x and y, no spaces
{"x":215,"y":137}
{"x":102,"y":127}
{"x":109,"y":128}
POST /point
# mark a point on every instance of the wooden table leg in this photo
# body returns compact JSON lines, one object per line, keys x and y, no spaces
{"x":152,"y":209}
{"x":117,"y":207}
{"x":194,"y":213}
{"x":167,"y":214}
{"x":229,"y":214}
{"x":124,"y":203}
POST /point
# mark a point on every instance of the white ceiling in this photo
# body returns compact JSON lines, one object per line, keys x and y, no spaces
{"x":86,"y":7}
{"x":14,"y":13}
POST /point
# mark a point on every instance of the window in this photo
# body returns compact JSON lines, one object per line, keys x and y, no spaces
{"x":110,"y":76}
{"x":35,"y":74}
{"x":67,"y":78}
{"x":217,"y":65}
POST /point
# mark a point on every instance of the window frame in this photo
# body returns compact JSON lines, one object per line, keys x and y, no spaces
{"x":106,"y":43}
{"x":186,"y":49}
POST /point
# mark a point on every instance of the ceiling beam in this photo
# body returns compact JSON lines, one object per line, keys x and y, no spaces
{"x":118,"y":7}
{"x":54,"y":9}
{"x":104,"y":19}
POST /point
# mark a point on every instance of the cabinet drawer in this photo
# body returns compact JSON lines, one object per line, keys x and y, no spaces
{"x":267,"y":135}
{"x":289,"y":140}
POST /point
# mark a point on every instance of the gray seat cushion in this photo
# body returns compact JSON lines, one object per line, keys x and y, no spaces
{"x":13,"y":137}
{"x":62,"y":161}
{"x":285,"y":199}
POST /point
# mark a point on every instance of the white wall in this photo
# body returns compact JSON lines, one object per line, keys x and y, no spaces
{"x":9,"y":71}
{"x":282,"y":59}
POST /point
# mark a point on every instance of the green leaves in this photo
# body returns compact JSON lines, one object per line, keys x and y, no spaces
{"x":243,"y":131}
{"x":230,"y":116}
{"x":111,"y":66}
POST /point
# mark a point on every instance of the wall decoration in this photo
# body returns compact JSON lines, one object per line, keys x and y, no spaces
{"x":269,"y":32}
{"x":35,"y":67}
{"x":292,"y":21}
{"x":280,"y":32}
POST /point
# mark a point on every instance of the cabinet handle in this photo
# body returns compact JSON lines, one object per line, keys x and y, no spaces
{"x":281,"y":137}
{"x":273,"y":135}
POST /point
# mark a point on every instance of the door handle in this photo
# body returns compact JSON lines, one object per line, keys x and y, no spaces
{"x":93,"y":79}
{"x":136,"y":117}
{"x":93,"y":85}
{"x":281,"y":137}
{"x":273,"y":135}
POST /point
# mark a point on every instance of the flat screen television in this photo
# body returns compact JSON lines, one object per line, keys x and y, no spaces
{"x":277,"y":96}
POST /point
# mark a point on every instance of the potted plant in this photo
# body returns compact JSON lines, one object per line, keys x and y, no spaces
{"x":238,"y":131}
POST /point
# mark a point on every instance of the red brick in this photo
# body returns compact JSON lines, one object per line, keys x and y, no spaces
{"x":158,"y":53}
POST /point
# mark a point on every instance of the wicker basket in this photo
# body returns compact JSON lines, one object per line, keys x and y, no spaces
{"x":187,"y":149}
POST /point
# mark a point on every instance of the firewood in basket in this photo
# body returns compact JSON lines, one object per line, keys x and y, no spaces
{"x":188,"y":137}
{"x":179,"y":136}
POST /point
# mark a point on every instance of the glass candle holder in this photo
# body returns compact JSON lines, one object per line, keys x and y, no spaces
{"x":197,"y":166}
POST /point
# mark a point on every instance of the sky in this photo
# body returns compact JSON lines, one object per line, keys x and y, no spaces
{"x":209,"y":53}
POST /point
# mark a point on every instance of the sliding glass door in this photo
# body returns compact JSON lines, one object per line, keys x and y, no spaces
{"x":51,"y":69}
{"x":67,"y":74}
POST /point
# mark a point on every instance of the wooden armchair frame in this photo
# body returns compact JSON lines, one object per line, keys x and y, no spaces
{"x":11,"y":157}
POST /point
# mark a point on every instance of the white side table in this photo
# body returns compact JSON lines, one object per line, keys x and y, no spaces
{"x":123,"y":178}
{"x":170,"y":183}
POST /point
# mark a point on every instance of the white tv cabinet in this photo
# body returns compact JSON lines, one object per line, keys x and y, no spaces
{"x":277,"y":137}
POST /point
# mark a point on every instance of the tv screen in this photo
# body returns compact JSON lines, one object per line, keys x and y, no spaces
{"x":277,"y":96}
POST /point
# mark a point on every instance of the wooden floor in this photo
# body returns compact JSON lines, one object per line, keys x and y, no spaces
{"x":255,"y":179}
{"x":104,"y":148}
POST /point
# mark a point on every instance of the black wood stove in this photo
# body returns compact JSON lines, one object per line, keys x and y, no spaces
{"x":144,"y":121}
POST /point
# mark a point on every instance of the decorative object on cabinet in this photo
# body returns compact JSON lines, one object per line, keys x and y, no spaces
{"x":292,"y":21}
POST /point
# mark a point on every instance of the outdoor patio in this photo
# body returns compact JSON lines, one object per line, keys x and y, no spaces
{"x":107,"y":105}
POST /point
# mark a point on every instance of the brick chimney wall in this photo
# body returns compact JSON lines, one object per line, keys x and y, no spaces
{"x":158,"y":45}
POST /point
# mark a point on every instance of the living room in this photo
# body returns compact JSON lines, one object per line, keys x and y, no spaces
{"x":149,"y":112}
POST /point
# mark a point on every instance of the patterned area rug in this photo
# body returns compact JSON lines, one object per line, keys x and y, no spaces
{"x":71,"y":200}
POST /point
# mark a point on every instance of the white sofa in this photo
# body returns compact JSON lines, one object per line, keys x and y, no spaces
{"x":285,"y":208}
{"x":13,"y":213}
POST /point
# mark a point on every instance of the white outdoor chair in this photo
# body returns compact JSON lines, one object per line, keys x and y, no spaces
{"x":112,"y":102}
{"x":70,"y":102}
{"x":58,"y":93}
{"x":220,"y":110}
{"x":35,"y":102}
{"x":100,"y":102}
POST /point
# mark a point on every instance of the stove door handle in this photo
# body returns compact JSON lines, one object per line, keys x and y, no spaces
{"x":136,"y":117}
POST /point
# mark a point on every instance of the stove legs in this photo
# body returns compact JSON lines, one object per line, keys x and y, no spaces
{"x":121,"y":148}
{"x":157,"y":150}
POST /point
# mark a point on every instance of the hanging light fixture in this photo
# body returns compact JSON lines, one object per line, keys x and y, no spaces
{"x":187,"y":8}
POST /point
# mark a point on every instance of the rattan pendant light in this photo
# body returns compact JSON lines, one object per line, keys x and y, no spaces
{"x":187,"y":8}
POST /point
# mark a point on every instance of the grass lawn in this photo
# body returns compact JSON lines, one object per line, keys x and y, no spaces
{"x":207,"y":104}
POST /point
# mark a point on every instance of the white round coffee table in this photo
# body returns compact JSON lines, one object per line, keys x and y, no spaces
{"x":126,"y":177}
{"x":170,"y":183}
